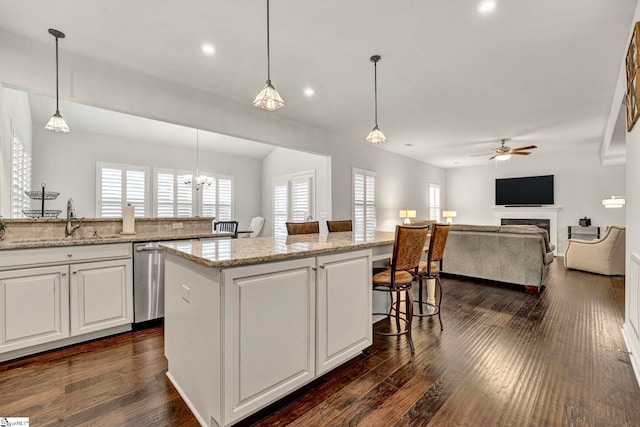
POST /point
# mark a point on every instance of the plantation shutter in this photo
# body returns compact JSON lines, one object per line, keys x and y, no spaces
{"x":184,"y":197}
{"x":164,"y":195}
{"x":364,"y":201}
{"x":280,"y":208}
{"x":434,"y":202}
{"x":119,"y":185}
{"x":225,"y":199}
{"x":111,"y":195}
{"x":20,"y":177}
{"x":208,"y":204}
{"x":301,"y":199}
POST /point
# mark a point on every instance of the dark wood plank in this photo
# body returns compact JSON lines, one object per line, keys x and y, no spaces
{"x":506,"y":357}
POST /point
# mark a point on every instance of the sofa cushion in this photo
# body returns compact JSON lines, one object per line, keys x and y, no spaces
{"x":477,"y":228}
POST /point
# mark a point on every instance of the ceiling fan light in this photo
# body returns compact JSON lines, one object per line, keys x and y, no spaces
{"x":503,"y":157}
{"x":57,"y":124}
{"x":269,"y":99}
{"x":375,"y":136}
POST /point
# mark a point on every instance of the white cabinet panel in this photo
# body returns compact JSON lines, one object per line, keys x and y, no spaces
{"x":101,"y":295}
{"x":269,"y":346}
{"x":35,"y":306}
{"x":344,"y":307}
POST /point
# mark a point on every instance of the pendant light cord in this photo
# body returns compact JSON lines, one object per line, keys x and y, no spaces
{"x":268,"y":53}
{"x":375,"y":88}
{"x":57,"y":96}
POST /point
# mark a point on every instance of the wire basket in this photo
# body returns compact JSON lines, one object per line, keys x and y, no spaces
{"x":37,"y":195}
{"x":37,"y":213}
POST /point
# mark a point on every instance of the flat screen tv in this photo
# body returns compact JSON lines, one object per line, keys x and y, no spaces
{"x":525,"y":191}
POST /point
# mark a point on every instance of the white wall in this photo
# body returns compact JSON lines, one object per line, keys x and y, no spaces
{"x":26,"y":65}
{"x":283,"y":161}
{"x":579,"y":180}
{"x":67,"y":164}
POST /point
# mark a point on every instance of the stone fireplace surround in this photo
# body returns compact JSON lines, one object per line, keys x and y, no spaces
{"x":549,"y":213}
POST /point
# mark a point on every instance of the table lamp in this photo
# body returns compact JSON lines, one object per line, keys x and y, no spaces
{"x":449,"y":215}
{"x":407,"y":214}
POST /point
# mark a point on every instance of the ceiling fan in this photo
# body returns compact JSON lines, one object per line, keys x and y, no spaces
{"x":504,"y":152}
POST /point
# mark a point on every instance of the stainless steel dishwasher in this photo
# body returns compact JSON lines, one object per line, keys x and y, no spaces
{"x":148,"y":281}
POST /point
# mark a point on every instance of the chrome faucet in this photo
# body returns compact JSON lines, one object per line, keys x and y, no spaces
{"x":71,"y":213}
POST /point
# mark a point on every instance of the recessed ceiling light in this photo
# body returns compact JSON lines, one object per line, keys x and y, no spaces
{"x":456,"y":163}
{"x":486,"y":7}
{"x":208,"y":49}
{"x":309,"y":91}
{"x":409,"y":145}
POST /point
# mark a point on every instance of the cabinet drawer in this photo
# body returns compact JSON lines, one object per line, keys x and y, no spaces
{"x":65,"y":254}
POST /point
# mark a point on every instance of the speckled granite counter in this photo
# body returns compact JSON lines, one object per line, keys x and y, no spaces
{"x":237,"y":252}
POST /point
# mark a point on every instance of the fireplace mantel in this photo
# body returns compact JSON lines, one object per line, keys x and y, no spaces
{"x":523,"y":212}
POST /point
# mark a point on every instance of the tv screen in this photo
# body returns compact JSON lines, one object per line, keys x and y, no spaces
{"x":528,"y":190}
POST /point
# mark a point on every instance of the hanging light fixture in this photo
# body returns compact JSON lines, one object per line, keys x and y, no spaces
{"x":268,"y":98}
{"x":56,"y":123}
{"x":614,"y":202}
{"x":375,"y":136}
{"x":199,"y":180}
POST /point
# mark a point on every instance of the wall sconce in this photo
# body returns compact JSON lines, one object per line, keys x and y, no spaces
{"x":449,"y":215}
{"x":614,"y":202}
{"x":407,"y":214}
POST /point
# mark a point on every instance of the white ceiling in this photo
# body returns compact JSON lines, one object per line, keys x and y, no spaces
{"x":451,"y":82}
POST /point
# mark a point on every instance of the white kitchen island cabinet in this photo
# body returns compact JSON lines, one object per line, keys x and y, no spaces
{"x":245,"y":327}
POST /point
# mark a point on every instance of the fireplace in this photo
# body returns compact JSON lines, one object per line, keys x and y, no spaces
{"x":532,"y":215}
{"x":540,"y":222}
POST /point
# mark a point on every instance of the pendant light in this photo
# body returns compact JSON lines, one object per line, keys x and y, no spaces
{"x":200,"y":180}
{"x":375,"y":136}
{"x":268,"y":98}
{"x":57,"y":123}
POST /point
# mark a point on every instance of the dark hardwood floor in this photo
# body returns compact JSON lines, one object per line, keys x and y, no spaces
{"x":505,"y":358}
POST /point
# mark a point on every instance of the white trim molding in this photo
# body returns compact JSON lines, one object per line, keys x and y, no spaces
{"x":527,"y":212}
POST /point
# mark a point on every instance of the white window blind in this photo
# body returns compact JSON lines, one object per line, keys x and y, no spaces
{"x":293,"y":200}
{"x":119,"y":185}
{"x":364,"y":201}
{"x":434,"y":201}
{"x":20,"y":177}
{"x":174,"y":198}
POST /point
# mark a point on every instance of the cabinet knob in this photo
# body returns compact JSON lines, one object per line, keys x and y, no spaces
{"x":314,"y":269}
{"x":69,"y":254}
{"x":75,"y":272}
{"x":322,"y":266}
{"x":63,"y":274}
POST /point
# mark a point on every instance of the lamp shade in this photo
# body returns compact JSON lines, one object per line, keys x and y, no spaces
{"x":614,"y":202}
{"x":449,"y":214}
{"x":407,"y":214}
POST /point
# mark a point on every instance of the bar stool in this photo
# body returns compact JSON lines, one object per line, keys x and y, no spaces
{"x":431,"y":269}
{"x":407,"y":250}
{"x":342,"y":225}
{"x":311,"y":227}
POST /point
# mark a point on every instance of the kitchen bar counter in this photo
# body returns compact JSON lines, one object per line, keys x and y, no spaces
{"x":248,"y":321}
{"x":238,"y":252}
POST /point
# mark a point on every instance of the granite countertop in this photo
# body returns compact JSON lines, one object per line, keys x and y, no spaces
{"x":48,"y":242}
{"x":237,"y":252}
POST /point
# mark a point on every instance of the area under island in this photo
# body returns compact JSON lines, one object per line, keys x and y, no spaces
{"x":247,"y":321}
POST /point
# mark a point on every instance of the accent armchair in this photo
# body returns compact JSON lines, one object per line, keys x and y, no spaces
{"x":601,"y":256}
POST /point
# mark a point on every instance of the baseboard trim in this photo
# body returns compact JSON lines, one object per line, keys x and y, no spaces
{"x":633,"y":353}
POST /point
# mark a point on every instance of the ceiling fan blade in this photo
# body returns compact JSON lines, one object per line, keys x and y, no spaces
{"x":528,"y":147}
{"x":522,"y":153}
{"x":493,"y":157}
{"x":481,"y":155}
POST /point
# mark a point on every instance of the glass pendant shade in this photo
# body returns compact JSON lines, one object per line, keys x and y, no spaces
{"x":268,"y":99}
{"x":501,"y":157}
{"x":57,"y":124}
{"x":375,"y":136}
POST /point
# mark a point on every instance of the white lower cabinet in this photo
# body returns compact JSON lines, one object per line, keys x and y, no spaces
{"x":35,"y":307}
{"x":48,"y":306}
{"x":269,"y":342}
{"x":343,"y":308}
{"x":101,"y":295}
{"x":240,"y":338}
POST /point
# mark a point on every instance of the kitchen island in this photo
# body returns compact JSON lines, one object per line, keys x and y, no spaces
{"x":247,"y":321}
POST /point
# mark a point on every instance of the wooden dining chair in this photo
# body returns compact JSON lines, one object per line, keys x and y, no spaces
{"x":407,"y":250}
{"x":337,"y":226}
{"x":230,"y":226}
{"x":311,"y":227}
{"x":431,"y":270}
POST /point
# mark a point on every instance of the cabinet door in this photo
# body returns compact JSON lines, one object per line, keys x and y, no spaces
{"x":101,"y":295}
{"x":269,"y":324}
{"x":344,"y":324}
{"x":35,"y":306}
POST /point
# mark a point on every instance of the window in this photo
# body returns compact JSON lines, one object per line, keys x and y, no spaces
{"x":174,"y":198}
{"x":293,"y":200}
{"x":119,"y":185}
{"x":20,"y":177}
{"x":364,"y":201}
{"x":434,"y":201}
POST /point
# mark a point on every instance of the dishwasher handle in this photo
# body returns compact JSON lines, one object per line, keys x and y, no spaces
{"x":148,"y":249}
